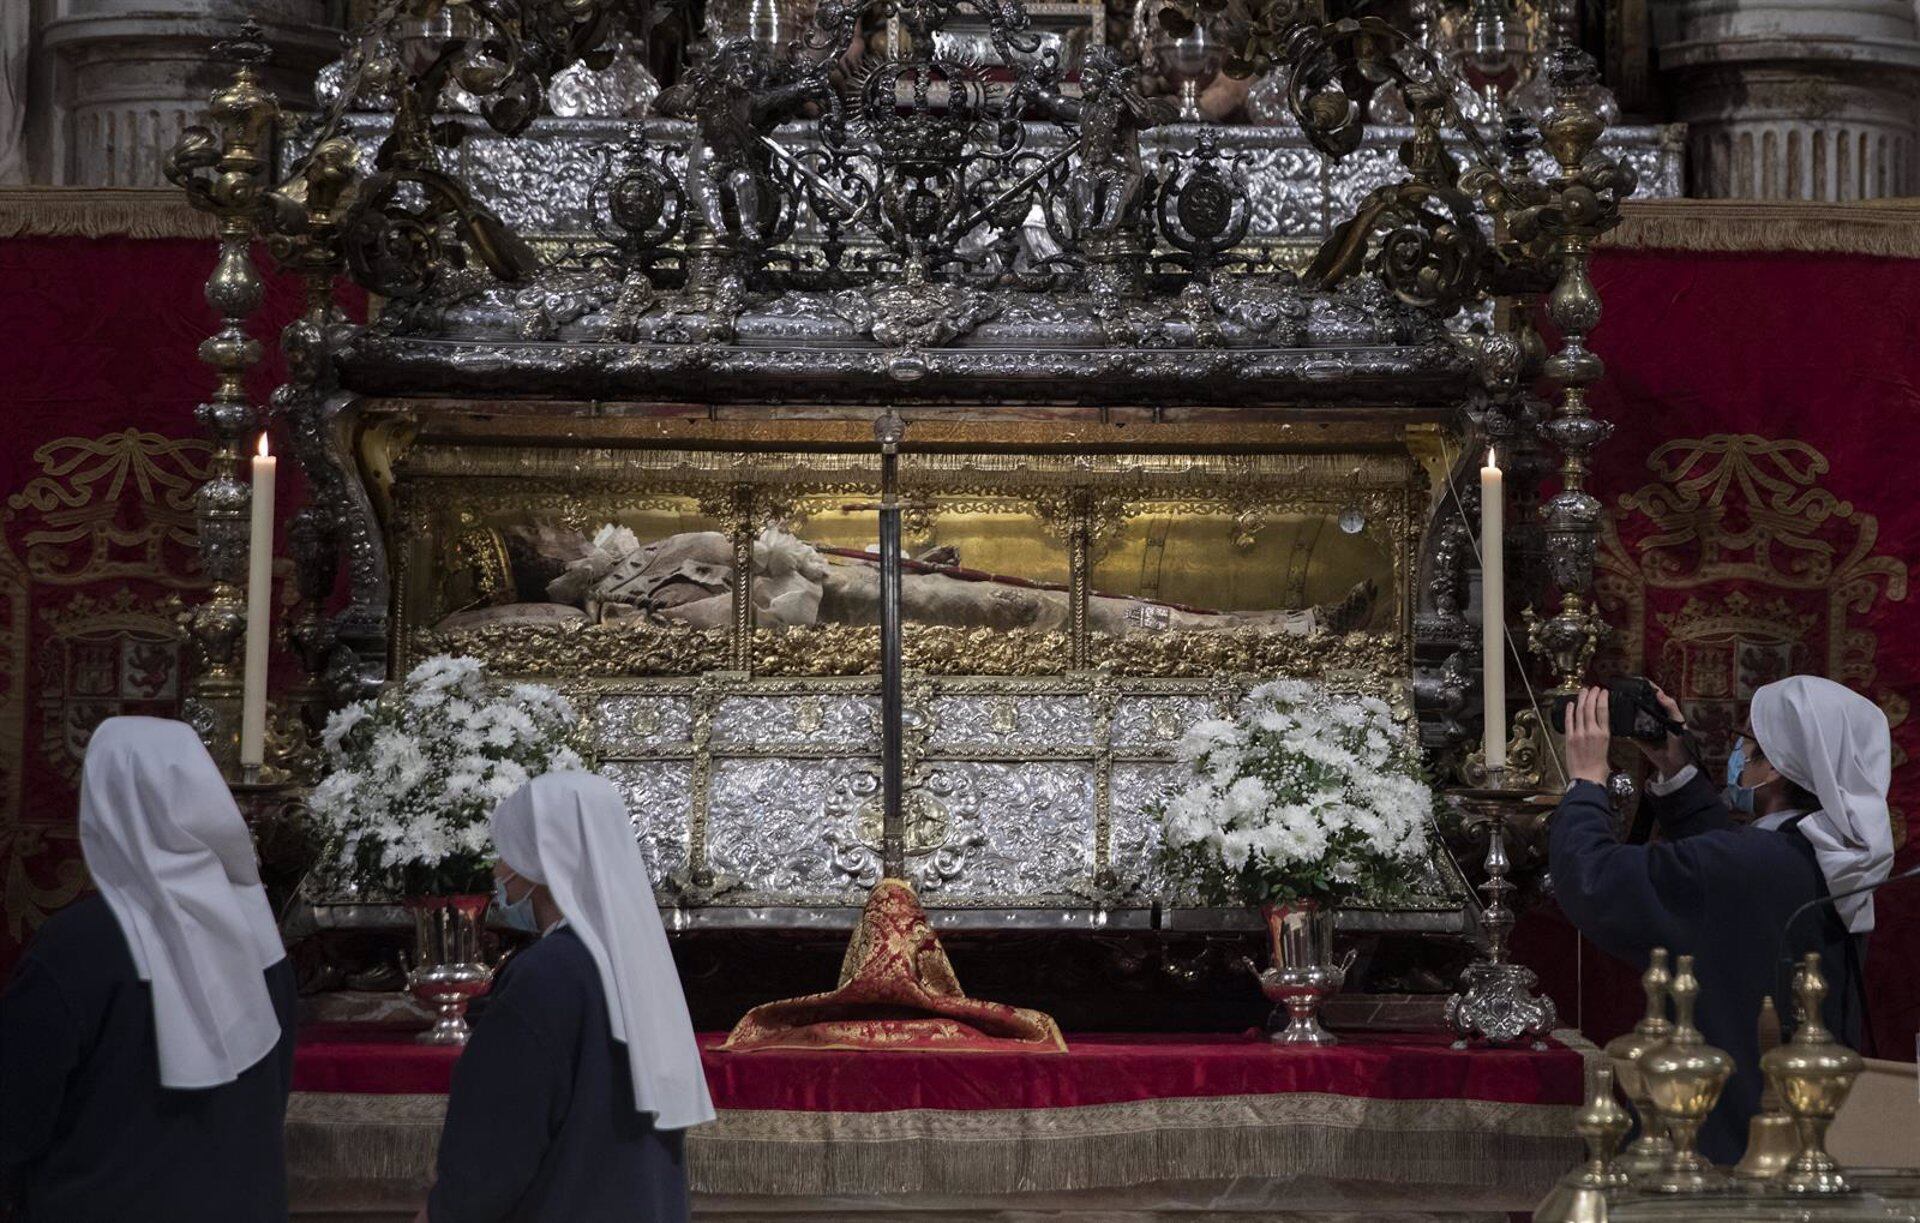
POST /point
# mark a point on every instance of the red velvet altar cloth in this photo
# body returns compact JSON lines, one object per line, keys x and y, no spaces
{"x":1096,"y":1070}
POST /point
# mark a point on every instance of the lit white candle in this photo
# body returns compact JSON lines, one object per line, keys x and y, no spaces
{"x":1493,"y":606}
{"x":253,"y":690}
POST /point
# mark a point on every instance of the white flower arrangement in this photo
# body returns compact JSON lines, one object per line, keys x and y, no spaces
{"x":1304,"y":796}
{"x":415,"y":772}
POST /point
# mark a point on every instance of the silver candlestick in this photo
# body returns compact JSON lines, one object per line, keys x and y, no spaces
{"x":1496,"y":1002}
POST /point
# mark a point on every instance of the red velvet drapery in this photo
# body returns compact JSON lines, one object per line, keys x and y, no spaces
{"x":1757,"y":487}
{"x":1094,"y":1070}
{"x":1760,"y":522}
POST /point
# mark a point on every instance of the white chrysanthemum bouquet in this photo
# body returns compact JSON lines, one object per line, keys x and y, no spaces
{"x":1305,"y":796}
{"x":415,"y":772}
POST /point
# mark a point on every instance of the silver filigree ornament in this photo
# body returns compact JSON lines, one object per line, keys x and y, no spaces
{"x":1496,"y":1002}
{"x":916,"y":313}
{"x":624,"y":89}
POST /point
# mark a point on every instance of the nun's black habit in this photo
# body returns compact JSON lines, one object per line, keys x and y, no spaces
{"x":1715,"y":890}
{"x":146,"y":1040}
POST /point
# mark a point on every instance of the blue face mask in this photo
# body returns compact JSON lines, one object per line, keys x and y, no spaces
{"x":516,"y":913}
{"x":1739,"y":797}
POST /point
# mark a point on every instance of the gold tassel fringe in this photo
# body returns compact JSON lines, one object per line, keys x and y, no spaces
{"x":1505,"y":1166}
{"x":1888,"y":228}
{"x":99,"y":212}
{"x":1511,"y":1152}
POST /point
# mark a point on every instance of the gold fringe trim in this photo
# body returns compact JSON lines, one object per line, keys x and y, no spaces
{"x":99,"y":212}
{"x":1874,"y":227}
{"x":390,"y":1138}
{"x":1577,"y":1041}
{"x":1516,"y":1152}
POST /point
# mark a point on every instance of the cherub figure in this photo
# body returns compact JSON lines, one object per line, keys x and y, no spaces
{"x":729,"y":181}
{"x":1110,"y":114}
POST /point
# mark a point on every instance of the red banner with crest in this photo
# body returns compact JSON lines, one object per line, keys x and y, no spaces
{"x":1759,"y":525}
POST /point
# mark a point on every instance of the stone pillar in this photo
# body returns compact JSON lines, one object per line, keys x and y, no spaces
{"x":1797,"y":99}
{"x":126,"y":76}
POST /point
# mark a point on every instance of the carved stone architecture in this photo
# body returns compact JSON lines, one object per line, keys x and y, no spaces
{"x":1797,"y":99}
{"x":117,"y":81}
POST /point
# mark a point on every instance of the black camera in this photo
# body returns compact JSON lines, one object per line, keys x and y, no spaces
{"x":1633,"y":710}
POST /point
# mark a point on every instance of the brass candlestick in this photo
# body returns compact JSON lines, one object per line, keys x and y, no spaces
{"x":1813,"y":1074}
{"x":1581,"y":1196}
{"x":1684,"y":1079}
{"x":1647,"y":1154}
{"x":1772,"y":1140}
{"x":225,"y":170}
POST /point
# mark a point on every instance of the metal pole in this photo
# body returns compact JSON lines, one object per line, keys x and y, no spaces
{"x":889,"y":430}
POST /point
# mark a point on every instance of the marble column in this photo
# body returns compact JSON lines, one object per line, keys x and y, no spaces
{"x":1797,"y":99}
{"x":120,"y":79}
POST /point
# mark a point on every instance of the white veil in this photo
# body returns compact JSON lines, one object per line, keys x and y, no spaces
{"x":570,"y":832}
{"x":168,"y":850}
{"x":1829,"y":739}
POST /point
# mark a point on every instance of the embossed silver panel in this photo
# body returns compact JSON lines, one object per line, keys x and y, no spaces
{"x":1022,"y":830}
{"x":812,"y":721}
{"x":659,"y":796}
{"x":1010,"y":795}
{"x":1156,"y":723}
{"x":777,"y":826}
{"x":641,"y":724}
{"x":1133,"y":840}
{"x":1012,"y":722}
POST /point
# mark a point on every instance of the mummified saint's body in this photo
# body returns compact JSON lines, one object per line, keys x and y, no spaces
{"x":688,"y":578}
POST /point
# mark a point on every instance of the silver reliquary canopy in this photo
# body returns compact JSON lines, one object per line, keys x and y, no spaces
{"x":610,"y":424}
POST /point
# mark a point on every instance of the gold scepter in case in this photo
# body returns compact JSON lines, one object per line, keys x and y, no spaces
{"x":1647,"y":1154}
{"x":1813,"y":1074}
{"x":1684,"y":1079}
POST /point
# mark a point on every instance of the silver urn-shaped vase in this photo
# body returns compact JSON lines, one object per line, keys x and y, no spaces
{"x":447,"y":971}
{"x":1304,"y":971}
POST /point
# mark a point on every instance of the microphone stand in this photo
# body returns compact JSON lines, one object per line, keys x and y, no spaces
{"x":1784,"y":965}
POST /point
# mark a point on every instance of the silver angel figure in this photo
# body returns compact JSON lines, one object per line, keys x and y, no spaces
{"x":730,"y":182}
{"x":1107,"y":184}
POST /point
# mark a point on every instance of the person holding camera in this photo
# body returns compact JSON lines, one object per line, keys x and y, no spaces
{"x":1812,"y":766}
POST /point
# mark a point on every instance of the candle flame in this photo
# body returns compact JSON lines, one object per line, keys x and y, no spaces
{"x":1492,"y":460}
{"x":262,"y":452}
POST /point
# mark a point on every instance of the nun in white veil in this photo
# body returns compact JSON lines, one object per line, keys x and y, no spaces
{"x":1813,"y":769}
{"x":573,"y":1096}
{"x":146,"y":1038}
{"x":1834,"y":744}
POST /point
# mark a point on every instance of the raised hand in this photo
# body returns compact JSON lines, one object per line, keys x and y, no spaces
{"x":1589,"y":736}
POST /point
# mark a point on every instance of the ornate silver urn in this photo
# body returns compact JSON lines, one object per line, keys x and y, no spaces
{"x":447,"y":971}
{"x":1304,"y":971}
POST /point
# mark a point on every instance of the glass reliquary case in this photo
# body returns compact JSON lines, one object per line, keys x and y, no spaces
{"x":1082,"y":584}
